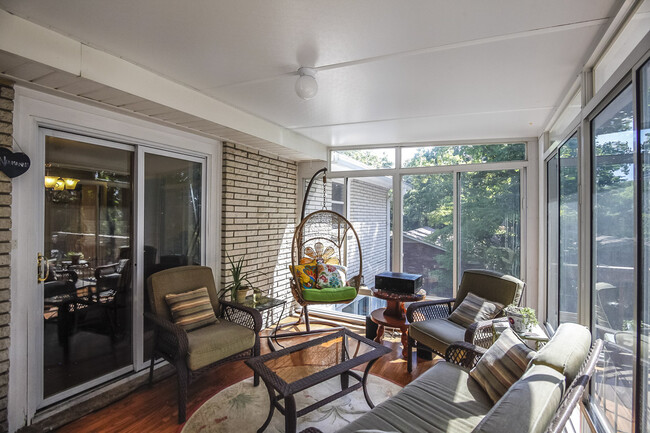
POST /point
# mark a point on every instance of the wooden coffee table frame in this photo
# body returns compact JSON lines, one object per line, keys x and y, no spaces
{"x":279,"y":390}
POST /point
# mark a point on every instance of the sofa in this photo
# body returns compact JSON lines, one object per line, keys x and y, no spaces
{"x":447,"y":399}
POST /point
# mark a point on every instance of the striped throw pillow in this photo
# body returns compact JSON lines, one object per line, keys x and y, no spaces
{"x":474,"y":309}
{"x":191,"y":310}
{"x":502,"y":365}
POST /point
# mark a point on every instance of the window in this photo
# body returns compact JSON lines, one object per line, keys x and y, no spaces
{"x":364,"y":159}
{"x":613,"y":259}
{"x":490,"y":221}
{"x":432,"y":156}
{"x":428,"y":230}
{"x":562,"y":233}
{"x":447,"y":221}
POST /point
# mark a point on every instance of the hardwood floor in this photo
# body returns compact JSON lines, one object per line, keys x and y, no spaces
{"x":155,"y":409}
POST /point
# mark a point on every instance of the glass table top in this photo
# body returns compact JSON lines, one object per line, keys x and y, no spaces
{"x":264,"y":303}
{"x":300,"y":366}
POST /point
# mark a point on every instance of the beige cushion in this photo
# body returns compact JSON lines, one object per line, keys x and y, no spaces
{"x":502,"y":365}
{"x":566,"y":351}
{"x":192,"y":309}
{"x":528,"y":406}
{"x":437,"y":334}
{"x":474,"y":309}
{"x":443,"y":399}
{"x":216,"y":342}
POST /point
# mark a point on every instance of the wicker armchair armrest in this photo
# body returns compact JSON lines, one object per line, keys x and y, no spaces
{"x":172,"y":339}
{"x":464,"y":354}
{"x":438,"y":309}
{"x":481,"y":333}
{"x":245,"y":316}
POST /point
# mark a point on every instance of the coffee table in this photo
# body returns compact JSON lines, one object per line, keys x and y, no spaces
{"x":296,"y":368}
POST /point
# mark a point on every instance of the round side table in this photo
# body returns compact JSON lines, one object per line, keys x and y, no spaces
{"x":394,"y":314}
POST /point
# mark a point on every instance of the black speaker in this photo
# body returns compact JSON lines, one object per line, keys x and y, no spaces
{"x":398,"y":282}
{"x":371,"y":328}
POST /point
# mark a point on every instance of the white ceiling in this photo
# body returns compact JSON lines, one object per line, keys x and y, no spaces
{"x":389,"y":71}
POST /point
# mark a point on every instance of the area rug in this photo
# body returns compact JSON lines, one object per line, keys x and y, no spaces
{"x":243,"y":408}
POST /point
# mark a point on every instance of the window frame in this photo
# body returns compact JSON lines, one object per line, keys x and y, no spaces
{"x":528,"y":195}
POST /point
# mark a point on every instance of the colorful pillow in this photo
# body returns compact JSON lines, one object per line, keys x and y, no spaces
{"x":502,"y":365}
{"x":474,"y":309}
{"x":331,"y":276}
{"x":191,"y":310}
{"x":306,"y":274}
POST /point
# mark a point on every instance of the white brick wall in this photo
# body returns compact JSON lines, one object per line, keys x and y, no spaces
{"x":259,"y":208}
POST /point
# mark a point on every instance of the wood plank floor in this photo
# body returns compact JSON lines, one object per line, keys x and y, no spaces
{"x":155,"y":409}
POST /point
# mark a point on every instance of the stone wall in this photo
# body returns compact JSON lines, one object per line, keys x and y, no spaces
{"x":6,"y":131}
{"x":259,"y":217}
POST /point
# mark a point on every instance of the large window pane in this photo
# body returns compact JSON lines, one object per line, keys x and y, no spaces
{"x":430,"y":156}
{"x":568,"y":231}
{"x":172,"y":214}
{"x":490,"y":221}
{"x":644,"y":140}
{"x":427,"y":230}
{"x":369,"y":202}
{"x":87,"y":234}
{"x":613,"y":251}
{"x":366,"y":159}
{"x":553,"y":238}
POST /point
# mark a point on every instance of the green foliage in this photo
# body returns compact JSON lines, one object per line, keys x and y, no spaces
{"x":530,"y":319}
{"x":239,"y":277}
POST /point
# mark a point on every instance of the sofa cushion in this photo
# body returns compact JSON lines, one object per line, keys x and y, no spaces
{"x":474,"y":309}
{"x":443,"y":399}
{"x":216,"y":342}
{"x":437,"y":333}
{"x":330,"y":294}
{"x":566,"y":351}
{"x":502,"y":365}
{"x":529,"y":405}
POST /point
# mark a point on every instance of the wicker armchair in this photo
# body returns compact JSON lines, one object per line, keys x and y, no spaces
{"x":234,"y":337}
{"x":431,"y":331}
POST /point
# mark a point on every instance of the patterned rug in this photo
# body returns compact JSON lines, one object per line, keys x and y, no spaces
{"x":242,"y":408}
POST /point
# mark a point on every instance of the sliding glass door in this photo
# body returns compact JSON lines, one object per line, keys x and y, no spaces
{"x":86,"y":283}
{"x":173,"y":215}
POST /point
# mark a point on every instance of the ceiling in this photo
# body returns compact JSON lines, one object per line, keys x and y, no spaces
{"x":387,"y":73}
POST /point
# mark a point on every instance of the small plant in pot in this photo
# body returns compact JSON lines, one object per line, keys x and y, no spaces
{"x":240,"y":285}
{"x":522,"y":319}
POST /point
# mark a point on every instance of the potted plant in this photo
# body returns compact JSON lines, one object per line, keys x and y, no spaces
{"x":522,"y":319}
{"x":75,"y":257}
{"x":239,"y":285}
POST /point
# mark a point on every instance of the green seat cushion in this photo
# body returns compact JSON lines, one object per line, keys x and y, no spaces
{"x":443,"y":399}
{"x":529,"y":405}
{"x":437,"y":334}
{"x":330,"y":294}
{"x":566,"y":351}
{"x":216,"y":342}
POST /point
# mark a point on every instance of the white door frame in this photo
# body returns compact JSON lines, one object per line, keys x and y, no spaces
{"x":34,"y":110}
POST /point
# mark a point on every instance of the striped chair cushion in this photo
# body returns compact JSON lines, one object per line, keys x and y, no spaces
{"x":191,"y":310}
{"x":474,"y":309}
{"x":502,"y":365}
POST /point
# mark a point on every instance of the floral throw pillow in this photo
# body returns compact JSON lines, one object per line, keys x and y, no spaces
{"x":306,"y":274}
{"x":330,"y":275}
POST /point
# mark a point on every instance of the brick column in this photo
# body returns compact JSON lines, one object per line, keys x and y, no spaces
{"x":259,"y":208}
{"x":6,"y":131}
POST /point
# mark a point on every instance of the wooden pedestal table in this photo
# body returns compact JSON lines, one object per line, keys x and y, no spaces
{"x":394,"y":315}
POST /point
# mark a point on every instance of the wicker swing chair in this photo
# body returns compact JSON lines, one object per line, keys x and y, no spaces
{"x":323,"y":237}
{"x":327,"y":238}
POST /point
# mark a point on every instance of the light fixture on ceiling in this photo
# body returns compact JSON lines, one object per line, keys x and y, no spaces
{"x":59,"y":183}
{"x":306,"y":85}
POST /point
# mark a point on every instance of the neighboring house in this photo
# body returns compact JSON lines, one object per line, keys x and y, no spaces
{"x":420,"y":255}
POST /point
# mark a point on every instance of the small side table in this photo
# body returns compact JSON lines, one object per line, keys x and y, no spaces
{"x":536,"y":334}
{"x":394,"y":315}
{"x":266,"y":303}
